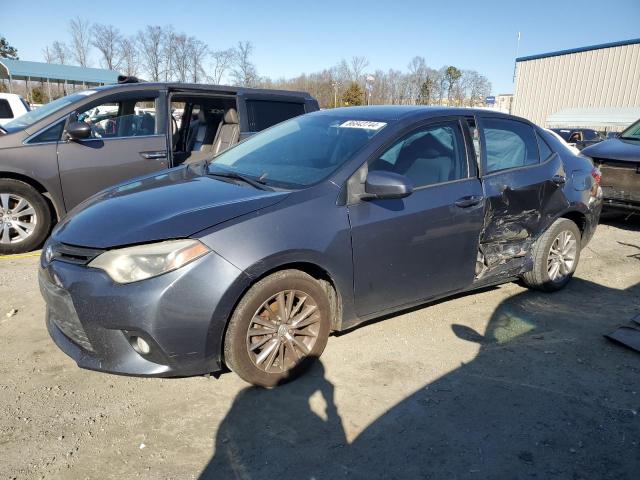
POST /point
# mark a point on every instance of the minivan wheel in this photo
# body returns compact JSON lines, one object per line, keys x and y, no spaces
{"x":25,"y":218}
{"x":555,"y":256}
{"x":278,"y":329}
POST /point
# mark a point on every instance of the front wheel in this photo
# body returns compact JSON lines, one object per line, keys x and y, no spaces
{"x":555,"y":257}
{"x":278,"y":329}
{"x":25,"y":218}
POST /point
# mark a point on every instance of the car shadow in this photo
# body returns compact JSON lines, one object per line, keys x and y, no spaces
{"x":624,"y":220}
{"x":546,"y":396}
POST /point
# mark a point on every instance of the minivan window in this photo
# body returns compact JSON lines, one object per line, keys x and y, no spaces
{"x":38,"y":114}
{"x":509,"y":144}
{"x":263,"y":114}
{"x":5,"y":109}
{"x":51,"y":134}
{"x":428,"y":156}
{"x":128,"y":118}
{"x":299,"y":152}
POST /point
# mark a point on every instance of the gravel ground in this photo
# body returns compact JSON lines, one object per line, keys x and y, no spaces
{"x":502,"y":383}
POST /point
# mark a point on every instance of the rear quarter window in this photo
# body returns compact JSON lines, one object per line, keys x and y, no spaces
{"x":263,"y":114}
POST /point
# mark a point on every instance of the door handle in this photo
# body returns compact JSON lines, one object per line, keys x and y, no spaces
{"x":154,"y":155}
{"x":559,"y":179}
{"x":469,"y":201}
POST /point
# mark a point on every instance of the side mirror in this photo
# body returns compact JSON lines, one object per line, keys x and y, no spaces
{"x":78,"y":130}
{"x":381,"y":184}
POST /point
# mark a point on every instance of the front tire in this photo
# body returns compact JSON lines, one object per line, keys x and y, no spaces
{"x":555,"y":257}
{"x":25,"y":217}
{"x":278,"y":329}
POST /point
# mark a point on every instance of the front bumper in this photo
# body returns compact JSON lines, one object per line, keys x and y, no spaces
{"x":181,"y":315}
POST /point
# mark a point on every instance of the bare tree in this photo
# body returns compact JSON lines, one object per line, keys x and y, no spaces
{"x":107,"y":39}
{"x":169,"y":52}
{"x":150,"y":47}
{"x":244,"y":72}
{"x":48,"y":54}
{"x":478,"y":87}
{"x":222,"y":61}
{"x":60,"y":52}
{"x":181,"y":56}
{"x":357,"y":66}
{"x":128,"y":56}
{"x":198,"y":52}
{"x":80,"y":44}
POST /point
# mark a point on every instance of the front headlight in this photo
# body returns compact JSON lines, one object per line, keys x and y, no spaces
{"x":131,"y":264}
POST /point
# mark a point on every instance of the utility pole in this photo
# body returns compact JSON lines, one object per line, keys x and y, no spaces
{"x":515,"y":63}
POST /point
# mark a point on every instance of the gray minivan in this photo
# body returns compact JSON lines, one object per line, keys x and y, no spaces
{"x":53,"y":158}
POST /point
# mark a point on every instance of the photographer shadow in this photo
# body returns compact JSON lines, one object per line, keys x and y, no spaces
{"x":546,"y":396}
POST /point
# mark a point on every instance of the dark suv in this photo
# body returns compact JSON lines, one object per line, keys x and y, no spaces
{"x":53,"y":158}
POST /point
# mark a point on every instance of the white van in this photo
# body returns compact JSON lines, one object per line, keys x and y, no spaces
{"x":12,"y":106}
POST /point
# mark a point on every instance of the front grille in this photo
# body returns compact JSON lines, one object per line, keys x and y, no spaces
{"x":62,"y":312}
{"x":70,"y":253}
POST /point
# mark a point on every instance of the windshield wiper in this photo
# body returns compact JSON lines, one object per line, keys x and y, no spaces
{"x":259,"y":184}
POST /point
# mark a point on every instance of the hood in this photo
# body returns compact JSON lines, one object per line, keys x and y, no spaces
{"x":615,"y":149}
{"x":175,"y":204}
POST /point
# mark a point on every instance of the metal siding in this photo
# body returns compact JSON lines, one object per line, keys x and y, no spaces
{"x":607,"y":77}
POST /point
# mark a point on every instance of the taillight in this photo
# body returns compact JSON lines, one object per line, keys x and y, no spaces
{"x":597,"y":178}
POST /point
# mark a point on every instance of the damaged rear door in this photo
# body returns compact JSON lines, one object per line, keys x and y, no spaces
{"x":522,"y":181}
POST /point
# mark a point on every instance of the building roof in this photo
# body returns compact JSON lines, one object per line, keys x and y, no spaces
{"x":37,"y":71}
{"x":592,"y":117}
{"x":621,"y":43}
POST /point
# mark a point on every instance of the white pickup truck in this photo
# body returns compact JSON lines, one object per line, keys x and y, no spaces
{"x":11,"y":106}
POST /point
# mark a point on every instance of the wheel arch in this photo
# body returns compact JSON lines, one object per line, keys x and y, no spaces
{"x":577,"y":217}
{"x":57,"y":211}
{"x":315,"y":270}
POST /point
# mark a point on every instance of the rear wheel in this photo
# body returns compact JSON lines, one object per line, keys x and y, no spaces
{"x":25,"y":218}
{"x":277,"y":330}
{"x":555,"y":257}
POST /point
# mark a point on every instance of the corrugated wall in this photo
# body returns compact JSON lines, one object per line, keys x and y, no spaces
{"x":607,"y":77}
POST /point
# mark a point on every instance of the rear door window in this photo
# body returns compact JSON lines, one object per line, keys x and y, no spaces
{"x":263,"y":114}
{"x":508,"y":144}
{"x":5,"y":109}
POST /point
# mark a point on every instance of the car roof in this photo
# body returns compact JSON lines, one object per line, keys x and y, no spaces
{"x":392,"y":113}
{"x":198,"y":87}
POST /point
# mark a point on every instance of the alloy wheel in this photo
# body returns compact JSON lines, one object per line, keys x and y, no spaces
{"x":18,"y":218}
{"x":283,"y":331}
{"x":562,"y":256}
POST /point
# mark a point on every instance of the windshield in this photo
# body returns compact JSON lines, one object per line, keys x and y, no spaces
{"x":632,"y":133}
{"x":299,"y":152}
{"x":38,"y":114}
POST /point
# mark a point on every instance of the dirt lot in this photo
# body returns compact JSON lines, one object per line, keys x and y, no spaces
{"x":504,"y":383}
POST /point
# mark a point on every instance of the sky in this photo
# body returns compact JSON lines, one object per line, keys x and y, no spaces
{"x":292,"y":37}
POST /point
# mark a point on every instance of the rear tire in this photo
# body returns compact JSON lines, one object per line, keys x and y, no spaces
{"x":278,"y":329}
{"x":555,"y":257}
{"x":25,"y":217}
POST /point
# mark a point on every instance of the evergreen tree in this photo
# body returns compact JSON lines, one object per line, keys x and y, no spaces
{"x":353,"y":96}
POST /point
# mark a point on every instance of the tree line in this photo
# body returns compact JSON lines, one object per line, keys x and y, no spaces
{"x":160,"y":53}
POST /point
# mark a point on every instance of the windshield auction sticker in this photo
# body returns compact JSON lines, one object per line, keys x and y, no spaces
{"x":364,"y":124}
